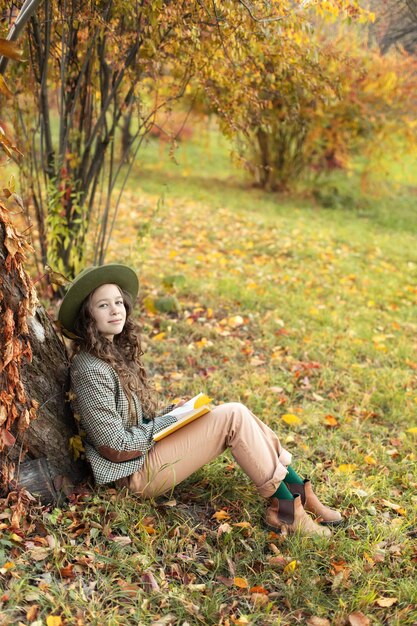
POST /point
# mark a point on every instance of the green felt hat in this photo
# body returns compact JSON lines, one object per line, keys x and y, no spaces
{"x":87,"y":281}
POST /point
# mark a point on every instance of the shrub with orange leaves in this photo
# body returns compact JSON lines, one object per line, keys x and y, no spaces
{"x":299,"y":97}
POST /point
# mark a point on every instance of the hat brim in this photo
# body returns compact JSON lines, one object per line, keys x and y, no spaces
{"x":90,"y":279}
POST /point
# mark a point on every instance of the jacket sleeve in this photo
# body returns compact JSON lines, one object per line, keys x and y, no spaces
{"x":95,"y":391}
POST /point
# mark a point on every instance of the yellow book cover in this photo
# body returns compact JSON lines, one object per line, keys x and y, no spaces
{"x":185,"y":414}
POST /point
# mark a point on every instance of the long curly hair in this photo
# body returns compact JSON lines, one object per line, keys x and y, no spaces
{"x":123,"y":354}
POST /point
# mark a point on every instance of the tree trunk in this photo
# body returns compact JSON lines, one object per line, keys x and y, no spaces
{"x":35,"y":421}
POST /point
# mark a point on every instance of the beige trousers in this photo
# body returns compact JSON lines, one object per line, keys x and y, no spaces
{"x":254,"y":445}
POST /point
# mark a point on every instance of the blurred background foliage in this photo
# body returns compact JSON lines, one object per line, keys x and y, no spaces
{"x":299,"y":89}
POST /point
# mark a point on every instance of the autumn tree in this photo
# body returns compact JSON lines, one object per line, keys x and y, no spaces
{"x":309,"y":98}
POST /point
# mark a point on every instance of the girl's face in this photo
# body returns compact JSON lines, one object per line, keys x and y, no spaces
{"x":108,"y":310}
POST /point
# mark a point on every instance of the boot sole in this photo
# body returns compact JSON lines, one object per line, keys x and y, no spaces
{"x":338,"y":522}
{"x":279,"y":531}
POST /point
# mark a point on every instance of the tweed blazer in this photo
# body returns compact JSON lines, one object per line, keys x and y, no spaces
{"x":114,"y":448}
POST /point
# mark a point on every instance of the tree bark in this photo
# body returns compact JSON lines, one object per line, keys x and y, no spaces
{"x":38,"y":381}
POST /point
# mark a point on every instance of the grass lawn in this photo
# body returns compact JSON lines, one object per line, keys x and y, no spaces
{"x":307,"y":314}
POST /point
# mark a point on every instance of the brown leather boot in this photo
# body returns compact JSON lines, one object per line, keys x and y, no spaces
{"x":289,"y":516}
{"x":312,"y":504}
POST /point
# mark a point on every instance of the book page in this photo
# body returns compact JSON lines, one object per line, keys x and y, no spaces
{"x":188,"y":407}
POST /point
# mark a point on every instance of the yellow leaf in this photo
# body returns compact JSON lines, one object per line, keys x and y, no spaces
{"x":16,"y":538}
{"x":369,"y":460}
{"x":291,"y":419}
{"x":386,"y":601}
{"x":412,"y":430}
{"x":220,"y":515}
{"x":10,"y":49}
{"x":395,"y":507}
{"x":53,"y":620}
{"x":240,"y":621}
{"x":347,"y":468}
{"x":202,"y":401}
{"x":6,"y":567}
{"x":235,"y":321}
{"x":290,"y":567}
{"x":4,"y":89}
{"x":149,"y":304}
{"x":241,"y":582}
{"x":159,"y":336}
{"x":243,"y":524}
{"x":76,"y":446}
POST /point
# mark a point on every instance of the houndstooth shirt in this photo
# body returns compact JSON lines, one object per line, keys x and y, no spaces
{"x":103,"y":410}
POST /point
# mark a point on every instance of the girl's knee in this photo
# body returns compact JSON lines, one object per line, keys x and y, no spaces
{"x":232,"y":409}
{"x":238,"y":407}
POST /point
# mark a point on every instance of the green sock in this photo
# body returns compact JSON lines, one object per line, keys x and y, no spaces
{"x":283,"y":493}
{"x":292,"y":478}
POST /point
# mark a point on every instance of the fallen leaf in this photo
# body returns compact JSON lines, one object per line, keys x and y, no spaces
{"x":278,"y":560}
{"x":369,"y":460}
{"x":291,"y":419}
{"x":318,"y":621}
{"x":386,"y":602}
{"x":290,"y":567}
{"x":358,"y":619}
{"x":150,"y":581}
{"x":240,"y":621}
{"x":259,"y":589}
{"x":392,"y":505}
{"x":259,"y":599}
{"x":130,"y":589}
{"x":412,"y":430}
{"x":240,"y":582}
{"x":32,"y":612}
{"x":39,"y":554}
{"x":165,"y":620}
{"x":331,"y":421}
{"x":256,"y":361}
{"x":220,"y":515}
{"x":317,"y":397}
{"x":228,"y":582}
{"x":235,"y":321}
{"x":159,"y":336}
{"x":53,"y":620}
{"x":224,"y":528}
{"x":243,"y":524}
{"x":7,"y":566}
{"x":347,"y":468}
{"x":122,"y":540}
{"x":67,"y":571}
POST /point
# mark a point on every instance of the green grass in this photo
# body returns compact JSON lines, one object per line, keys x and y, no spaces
{"x":327,"y":298}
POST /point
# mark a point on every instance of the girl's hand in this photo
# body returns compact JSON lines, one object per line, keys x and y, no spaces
{"x":180,"y":403}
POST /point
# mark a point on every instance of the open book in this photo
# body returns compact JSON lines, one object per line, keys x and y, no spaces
{"x":185,"y":414}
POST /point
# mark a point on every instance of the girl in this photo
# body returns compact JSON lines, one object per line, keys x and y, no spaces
{"x":117,"y":411}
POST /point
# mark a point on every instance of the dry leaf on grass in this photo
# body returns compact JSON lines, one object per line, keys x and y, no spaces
{"x":386,"y":602}
{"x":318,"y":621}
{"x":358,"y":619}
{"x":291,"y":419}
{"x":240,"y":582}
